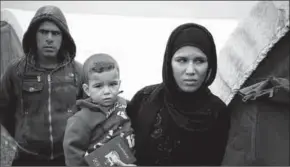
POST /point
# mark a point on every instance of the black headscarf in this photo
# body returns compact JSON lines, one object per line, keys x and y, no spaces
{"x":191,"y":111}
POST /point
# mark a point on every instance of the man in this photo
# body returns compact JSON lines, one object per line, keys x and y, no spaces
{"x":39,"y":91}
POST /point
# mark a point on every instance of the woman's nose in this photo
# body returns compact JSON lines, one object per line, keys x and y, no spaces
{"x":190,"y":69}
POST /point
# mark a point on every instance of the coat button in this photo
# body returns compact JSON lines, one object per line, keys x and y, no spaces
{"x":71,"y":75}
{"x":38,"y":78}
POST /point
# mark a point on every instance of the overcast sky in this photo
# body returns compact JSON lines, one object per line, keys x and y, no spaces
{"x":189,"y":9}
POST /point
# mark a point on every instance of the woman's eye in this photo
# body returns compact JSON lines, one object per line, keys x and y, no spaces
{"x":200,"y":61}
{"x":181,"y":60}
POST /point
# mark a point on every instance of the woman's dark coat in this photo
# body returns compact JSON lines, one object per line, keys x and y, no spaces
{"x":178,"y":128}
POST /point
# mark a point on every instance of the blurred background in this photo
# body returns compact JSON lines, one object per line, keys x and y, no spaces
{"x":134,"y":32}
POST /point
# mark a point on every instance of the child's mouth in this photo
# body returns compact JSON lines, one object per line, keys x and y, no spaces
{"x":107,"y":99}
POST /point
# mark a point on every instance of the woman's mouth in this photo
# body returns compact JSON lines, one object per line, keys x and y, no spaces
{"x":190,"y":82}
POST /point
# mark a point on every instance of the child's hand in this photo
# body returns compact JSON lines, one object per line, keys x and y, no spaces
{"x":118,"y":162}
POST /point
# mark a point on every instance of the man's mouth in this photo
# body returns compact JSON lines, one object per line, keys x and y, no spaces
{"x":49,"y":48}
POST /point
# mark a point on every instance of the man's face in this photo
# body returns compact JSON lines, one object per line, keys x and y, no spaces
{"x":48,"y":39}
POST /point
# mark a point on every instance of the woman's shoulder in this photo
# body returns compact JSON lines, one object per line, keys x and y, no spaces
{"x":147,"y":91}
{"x":217,"y":102}
{"x":147,"y":94}
{"x":221,"y":108}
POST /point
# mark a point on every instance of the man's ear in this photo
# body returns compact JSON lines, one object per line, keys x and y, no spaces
{"x":86,"y":89}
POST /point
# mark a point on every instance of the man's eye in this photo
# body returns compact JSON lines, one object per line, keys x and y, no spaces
{"x":43,"y":31}
{"x":56,"y":33}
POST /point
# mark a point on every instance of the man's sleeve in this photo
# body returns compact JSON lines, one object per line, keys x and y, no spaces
{"x":79,"y":71}
{"x":7,"y":98}
{"x":76,"y":141}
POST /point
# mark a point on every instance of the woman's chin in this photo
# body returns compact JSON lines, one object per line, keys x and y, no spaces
{"x":189,"y":89}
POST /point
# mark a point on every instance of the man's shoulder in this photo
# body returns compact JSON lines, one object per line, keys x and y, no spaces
{"x":16,"y":62}
{"x":15,"y":66}
{"x":77,"y":65}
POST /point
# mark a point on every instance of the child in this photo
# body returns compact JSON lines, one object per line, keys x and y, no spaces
{"x":102,"y":116}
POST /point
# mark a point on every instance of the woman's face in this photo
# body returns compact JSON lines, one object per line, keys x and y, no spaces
{"x":189,"y":66}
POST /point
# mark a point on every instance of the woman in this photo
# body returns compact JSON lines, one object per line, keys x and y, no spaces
{"x":180,"y":122}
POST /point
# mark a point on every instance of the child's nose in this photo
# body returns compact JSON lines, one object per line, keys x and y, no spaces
{"x":106,"y":90}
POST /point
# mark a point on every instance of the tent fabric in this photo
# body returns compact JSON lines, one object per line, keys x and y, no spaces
{"x":10,"y":46}
{"x":248,"y":45}
{"x":9,"y":17}
{"x":253,"y":79}
{"x":259,"y":133}
{"x":8,"y":148}
{"x":10,"y":49}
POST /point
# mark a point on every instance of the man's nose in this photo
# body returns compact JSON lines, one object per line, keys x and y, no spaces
{"x":49,"y":37}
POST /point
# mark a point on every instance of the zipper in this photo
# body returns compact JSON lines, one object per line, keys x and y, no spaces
{"x":49,"y":114}
{"x":49,"y":108}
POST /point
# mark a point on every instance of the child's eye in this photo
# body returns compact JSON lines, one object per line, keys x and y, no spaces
{"x":114,"y":84}
{"x":97,"y":86}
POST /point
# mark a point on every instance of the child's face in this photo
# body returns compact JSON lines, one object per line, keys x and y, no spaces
{"x":103,"y":88}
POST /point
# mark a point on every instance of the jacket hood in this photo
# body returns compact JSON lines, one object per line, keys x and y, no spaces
{"x":194,"y":35}
{"x":89,"y":104}
{"x":54,"y":14}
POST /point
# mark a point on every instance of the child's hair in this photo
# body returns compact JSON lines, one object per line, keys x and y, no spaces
{"x":99,"y":63}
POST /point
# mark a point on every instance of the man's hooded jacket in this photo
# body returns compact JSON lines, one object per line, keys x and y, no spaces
{"x":37,"y":102}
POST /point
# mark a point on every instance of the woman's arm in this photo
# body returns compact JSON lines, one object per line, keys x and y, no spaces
{"x":222,"y":135}
{"x":134,"y":105}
